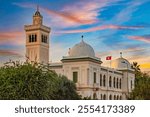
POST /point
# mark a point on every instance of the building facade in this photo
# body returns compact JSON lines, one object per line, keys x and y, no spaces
{"x":82,"y":66}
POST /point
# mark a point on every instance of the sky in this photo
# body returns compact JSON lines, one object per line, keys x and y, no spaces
{"x":109,"y":26}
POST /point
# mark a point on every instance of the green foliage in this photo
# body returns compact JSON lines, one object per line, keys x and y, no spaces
{"x":142,"y":85}
{"x":34,"y":82}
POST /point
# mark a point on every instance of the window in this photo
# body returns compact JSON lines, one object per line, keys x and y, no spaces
{"x":110,"y":97}
{"x":94,"y":77}
{"x":120,"y":97}
{"x":104,"y":80}
{"x":33,"y":38}
{"x":114,"y":82}
{"x":104,"y":97}
{"x":100,"y":79}
{"x":120,"y":83}
{"x":110,"y":81}
{"x":30,"y":38}
{"x":44,"y":38}
{"x":75,"y":77}
{"x":117,"y":83}
{"x":114,"y":97}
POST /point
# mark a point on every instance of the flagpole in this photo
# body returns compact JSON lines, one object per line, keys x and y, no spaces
{"x":109,"y":58}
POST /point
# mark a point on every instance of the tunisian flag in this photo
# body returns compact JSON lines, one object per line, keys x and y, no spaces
{"x":108,"y":58}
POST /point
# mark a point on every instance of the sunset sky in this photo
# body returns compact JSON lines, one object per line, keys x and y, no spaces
{"x":109,"y":26}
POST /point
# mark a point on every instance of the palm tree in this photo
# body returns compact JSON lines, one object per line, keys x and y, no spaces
{"x":136,"y":67}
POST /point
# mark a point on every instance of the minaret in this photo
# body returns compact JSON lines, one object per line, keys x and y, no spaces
{"x":37,"y":40}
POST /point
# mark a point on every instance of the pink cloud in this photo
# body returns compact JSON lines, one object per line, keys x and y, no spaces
{"x":65,"y":15}
{"x":116,"y":27}
{"x":76,"y":14}
{"x":69,"y":17}
{"x":9,"y":53}
{"x":13,"y":38}
{"x":140,"y":38}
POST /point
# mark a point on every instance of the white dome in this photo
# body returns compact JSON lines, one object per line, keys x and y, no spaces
{"x":82,"y":49}
{"x":121,"y":63}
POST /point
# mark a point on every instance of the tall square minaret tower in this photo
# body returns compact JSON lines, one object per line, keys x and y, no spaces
{"x":37,"y":40}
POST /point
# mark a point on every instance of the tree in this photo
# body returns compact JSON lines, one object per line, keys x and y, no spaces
{"x":142,"y":88}
{"x":142,"y":84}
{"x":34,"y":82}
{"x":136,"y":66}
{"x":137,"y":69}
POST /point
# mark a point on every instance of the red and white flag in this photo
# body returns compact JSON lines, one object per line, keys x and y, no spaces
{"x":108,"y":58}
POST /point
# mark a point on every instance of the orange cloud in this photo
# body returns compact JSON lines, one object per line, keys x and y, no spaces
{"x":13,"y":38}
{"x":116,"y":27}
{"x":145,"y":65}
{"x":140,"y":38}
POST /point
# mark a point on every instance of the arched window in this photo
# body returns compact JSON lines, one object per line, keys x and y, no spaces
{"x":35,"y":39}
{"x":32,"y":40}
{"x":110,"y":97}
{"x":120,"y":97}
{"x":110,"y":80}
{"x":104,"y":80}
{"x":114,"y":82}
{"x":117,"y":83}
{"x":104,"y":97}
{"x":117,"y":97}
{"x":100,"y":79}
{"x":94,"y":77}
{"x":114,"y":97}
{"x":120,"y":83}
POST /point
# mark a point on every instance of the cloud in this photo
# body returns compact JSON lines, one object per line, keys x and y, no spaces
{"x":84,"y":11}
{"x":140,"y":38}
{"x":12,"y":38}
{"x":75,"y":14}
{"x":10,"y":53}
{"x":104,"y":27}
{"x":126,"y":14}
{"x":125,"y":51}
{"x":65,"y":15}
{"x":145,"y":65}
{"x":120,"y":18}
{"x":68,"y":17}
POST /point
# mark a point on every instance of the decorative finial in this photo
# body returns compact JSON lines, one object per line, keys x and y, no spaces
{"x":82,"y":37}
{"x":69,"y":51}
{"x":37,"y":7}
{"x":120,"y":54}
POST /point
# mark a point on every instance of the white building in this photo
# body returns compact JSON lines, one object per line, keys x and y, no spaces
{"x":81,"y":65}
